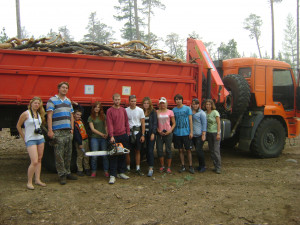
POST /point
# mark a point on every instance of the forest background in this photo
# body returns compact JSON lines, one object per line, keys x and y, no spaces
{"x":229,"y":29}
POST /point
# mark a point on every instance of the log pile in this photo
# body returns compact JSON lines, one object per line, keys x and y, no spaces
{"x":131,"y":49}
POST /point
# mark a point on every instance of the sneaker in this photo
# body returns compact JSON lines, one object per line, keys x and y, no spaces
{"x":71,"y":177}
{"x":150,"y":173}
{"x":112,"y":180}
{"x":161,"y":169}
{"x":62,"y":180}
{"x":93,"y":174}
{"x":218,"y":171}
{"x":169,"y":170}
{"x":80,"y":173}
{"x":191,"y":170}
{"x":106,"y":174}
{"x":88,"y":172}
{"x":140,"y":173}
{"x":123,"y":176}
{"x":201,"y":169}
{"x":182,"y":169}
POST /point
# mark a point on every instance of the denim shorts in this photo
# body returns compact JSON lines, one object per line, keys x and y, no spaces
{"x":35,"y":142}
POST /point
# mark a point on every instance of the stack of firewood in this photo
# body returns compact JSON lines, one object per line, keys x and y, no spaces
{"x":131,"y":49}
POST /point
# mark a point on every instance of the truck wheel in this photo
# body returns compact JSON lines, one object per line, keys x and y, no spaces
{"x":48,"y":160}
{"x":269,"y":139}
{"x":240,"y":92}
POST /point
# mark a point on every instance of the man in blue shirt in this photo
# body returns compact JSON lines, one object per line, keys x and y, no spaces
{"x":60,"y":129}
{"x":183,"y":132}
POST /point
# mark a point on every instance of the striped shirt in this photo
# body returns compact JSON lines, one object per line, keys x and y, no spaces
{"x":147,"y":124}
{"x":62,"y":109}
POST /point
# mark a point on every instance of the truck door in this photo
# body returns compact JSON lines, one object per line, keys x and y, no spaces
{"x":283,"y":89}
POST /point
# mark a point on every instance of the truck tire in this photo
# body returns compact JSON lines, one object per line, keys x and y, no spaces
{"x":240,"y":92}
{"x":48,"y":161}
{"x":269,"y":139}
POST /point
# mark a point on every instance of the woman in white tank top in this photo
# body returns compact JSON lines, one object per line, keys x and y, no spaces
{"x":34,"y":139}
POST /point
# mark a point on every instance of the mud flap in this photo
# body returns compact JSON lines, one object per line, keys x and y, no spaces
{"x":248,"y":126}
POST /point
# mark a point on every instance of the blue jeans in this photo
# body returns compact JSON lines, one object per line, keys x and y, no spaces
{"x":149,"y":148}
{"x":98,"y":144}
{"x":198,"y":143}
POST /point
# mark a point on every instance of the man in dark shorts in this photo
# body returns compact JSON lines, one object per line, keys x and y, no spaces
{"x":136,"y":119}
{"x":183,"y":132}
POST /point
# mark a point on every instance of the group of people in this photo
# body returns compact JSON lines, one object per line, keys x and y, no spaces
{"x":136,"y":128}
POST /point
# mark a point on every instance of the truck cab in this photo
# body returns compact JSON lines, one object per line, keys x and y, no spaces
{"x":273,"y":111}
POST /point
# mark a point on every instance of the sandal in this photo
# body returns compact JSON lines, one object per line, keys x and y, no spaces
{"x":30,"y":187}
{"x":41,"y":184}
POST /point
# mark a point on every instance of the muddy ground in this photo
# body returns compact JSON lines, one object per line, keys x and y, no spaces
{"x":249,"y":191}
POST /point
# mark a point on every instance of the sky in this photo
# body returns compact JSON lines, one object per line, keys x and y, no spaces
{"x":214,"y":20}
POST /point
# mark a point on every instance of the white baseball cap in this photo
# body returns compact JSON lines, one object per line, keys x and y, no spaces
{"x":162,"y":100}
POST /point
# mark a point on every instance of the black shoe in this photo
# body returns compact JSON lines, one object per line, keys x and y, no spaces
{"x":71,"y":177}
{"x":140,"y":173}
{"x":62,"y":180}
{"x":182,"y":169}
{"x":88,"y":172}
{"x":80,"y":173}
{"x":191,"y":170}
{"x":218,"y":171}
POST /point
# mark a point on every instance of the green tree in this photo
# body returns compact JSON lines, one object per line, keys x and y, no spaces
{"x":151,"y":40}
{"x":98,"y":32}
{"x":3,"y":36}
{"x":25,"y":33}
{"x":290,"y":42}
{"x":273,"y":27}
{"x":175,"y":45}
{"x":65,"y":33}
{"x":148,"y":11}
{"x":228,"y":51}
{"x":253,"y":24}
{"x":127,"y":11}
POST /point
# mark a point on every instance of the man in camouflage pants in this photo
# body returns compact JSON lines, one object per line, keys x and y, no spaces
{"x":60,"y":128}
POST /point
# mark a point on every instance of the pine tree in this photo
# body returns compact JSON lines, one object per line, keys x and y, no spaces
{"x":290,"y":42}
{"x":98,"y":32}
{"x":65,"y":33}
{"x":253,"y":24}
{"x":148,"y":11}
{"x":3,"y":36}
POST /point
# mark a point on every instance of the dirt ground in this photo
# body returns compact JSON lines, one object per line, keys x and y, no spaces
{"x":249,"y":191}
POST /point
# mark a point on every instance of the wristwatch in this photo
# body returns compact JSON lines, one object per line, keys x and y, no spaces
{"x":219,"y":132}
{"x":143,"y":134}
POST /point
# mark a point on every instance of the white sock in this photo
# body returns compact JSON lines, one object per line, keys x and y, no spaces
{"x":137,"y":167}
{"x":128,"y":167}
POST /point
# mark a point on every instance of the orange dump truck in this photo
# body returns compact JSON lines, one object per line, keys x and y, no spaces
{"x":258,"y":99}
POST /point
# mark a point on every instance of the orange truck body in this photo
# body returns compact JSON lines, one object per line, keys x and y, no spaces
{"x":25,"y":74}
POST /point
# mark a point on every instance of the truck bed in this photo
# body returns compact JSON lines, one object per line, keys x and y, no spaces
{"x":25,"y":74}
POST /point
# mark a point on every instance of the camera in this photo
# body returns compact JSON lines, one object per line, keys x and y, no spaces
{"x":38,"y":131}
{"x":164,"y":131}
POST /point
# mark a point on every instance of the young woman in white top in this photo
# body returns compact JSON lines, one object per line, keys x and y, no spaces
{"x":34,"y":139}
